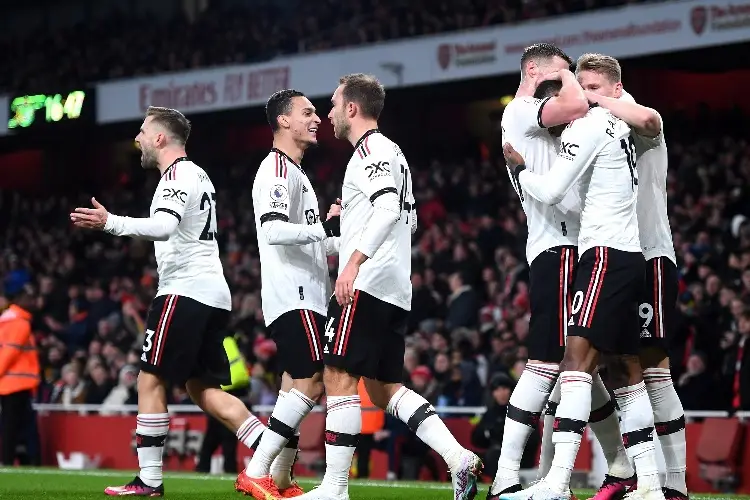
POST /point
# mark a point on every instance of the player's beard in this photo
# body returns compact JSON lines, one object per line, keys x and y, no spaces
{"x":148,"y":160}
{"x":342,"y":128}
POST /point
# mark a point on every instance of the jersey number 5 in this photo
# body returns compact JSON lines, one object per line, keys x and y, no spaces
{"x":210,"y":229}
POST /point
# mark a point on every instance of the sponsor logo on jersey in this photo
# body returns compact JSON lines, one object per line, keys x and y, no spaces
{"x":568,"y":150}
{"x":378,"y":169}
{"x":171,"y":194}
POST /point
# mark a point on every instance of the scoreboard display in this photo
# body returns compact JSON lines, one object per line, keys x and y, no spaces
{"x":51,"y":111}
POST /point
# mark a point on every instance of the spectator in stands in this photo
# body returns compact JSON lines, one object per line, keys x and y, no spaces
{"x":124,"y":393}
{"x":463,"y":303}
{"x":100,"y":384}
{"x":71,"y":390}
{"x":488,"y":433}
{"x":696,"y":387}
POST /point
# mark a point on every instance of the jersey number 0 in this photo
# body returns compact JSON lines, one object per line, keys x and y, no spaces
{"x":210,"y":229}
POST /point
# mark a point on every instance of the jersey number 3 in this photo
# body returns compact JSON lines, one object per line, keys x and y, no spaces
{"x":210,"y":229}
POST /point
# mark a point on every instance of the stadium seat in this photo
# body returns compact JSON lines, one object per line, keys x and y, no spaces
{"x":718,"y":452}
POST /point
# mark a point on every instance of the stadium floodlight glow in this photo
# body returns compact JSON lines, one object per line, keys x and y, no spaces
{"x":57,"y":107}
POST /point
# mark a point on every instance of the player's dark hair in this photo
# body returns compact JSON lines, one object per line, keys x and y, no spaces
{"x":280,"y":103}
{"x":599,"y":63}
{"x":543,"y":51}
{"x":175,"y":122}
{"x":366,"y":91}
{"x":547,"y":88}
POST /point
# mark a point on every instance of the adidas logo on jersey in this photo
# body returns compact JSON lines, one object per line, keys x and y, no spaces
{"x":304,"y":189}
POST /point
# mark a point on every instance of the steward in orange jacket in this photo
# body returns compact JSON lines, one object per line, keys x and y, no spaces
{"x":19,"y":373}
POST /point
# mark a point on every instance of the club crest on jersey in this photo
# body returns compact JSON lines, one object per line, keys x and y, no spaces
{"x":310,"y":217}
{"x":378,"y":169}
{"x":698,"y":18}
{"x":279,"y":193}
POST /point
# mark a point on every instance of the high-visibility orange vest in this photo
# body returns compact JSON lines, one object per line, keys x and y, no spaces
{"x":19,"y":362}
{"x":372,"y":420}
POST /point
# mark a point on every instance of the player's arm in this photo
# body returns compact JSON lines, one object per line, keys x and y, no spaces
{"x":380,"y":187}
{"x":172,"y":198}
{"x":274,"y":195}
{"x":643,"y":120}
{"x":570,"y":104}
{"x":580,"y":144}
{"x":332,"y":245}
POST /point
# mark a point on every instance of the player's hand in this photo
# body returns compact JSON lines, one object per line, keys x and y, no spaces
{"x":90,"y":218}
{"x":335,"y":210}
{"x":553,"y":75}
{"x":345,"y":284}
{"x":512,"y":157}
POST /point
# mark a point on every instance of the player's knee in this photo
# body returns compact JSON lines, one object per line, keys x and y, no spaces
{"x":310,"y":387}
{"x":338,"y":382}
{"x":579,"y":356}
{"x":148,"y":383}
{"x":653,"y":357}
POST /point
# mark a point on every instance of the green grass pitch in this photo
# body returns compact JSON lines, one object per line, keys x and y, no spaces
{"x":33,"y":484}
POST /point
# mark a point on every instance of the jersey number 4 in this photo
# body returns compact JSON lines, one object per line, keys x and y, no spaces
{"x":405,"y":193}
{"x":210,"y":229}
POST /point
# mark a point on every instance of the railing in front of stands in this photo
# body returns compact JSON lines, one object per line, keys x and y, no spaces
{"x":469,"y":411}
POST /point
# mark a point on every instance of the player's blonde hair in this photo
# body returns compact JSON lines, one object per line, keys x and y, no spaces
{"x":599,"y":63}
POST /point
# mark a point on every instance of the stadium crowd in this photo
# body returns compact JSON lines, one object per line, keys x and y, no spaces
{"x":131,"y":42}
{"x":470,"y":309}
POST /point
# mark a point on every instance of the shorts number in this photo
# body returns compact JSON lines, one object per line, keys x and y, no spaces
{"x":646,"y":312}
{"x":329,"y":333}
{"x":576,"y":306}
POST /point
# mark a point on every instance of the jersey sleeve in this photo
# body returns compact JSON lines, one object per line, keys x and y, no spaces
{"x":579,"y":145}
{"x":176,"y":192}
{"x":526,"y":114}
{"x":644,"y":144}
{"x":274,"y":189}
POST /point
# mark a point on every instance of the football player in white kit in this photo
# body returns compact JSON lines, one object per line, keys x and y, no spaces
{"x":552,"y":254}
{"x":367,"y":316}
{"x":293,"y":244}
{"x":188,"y":318}
{"x":598,"y":154}
{"x":601,"y":78}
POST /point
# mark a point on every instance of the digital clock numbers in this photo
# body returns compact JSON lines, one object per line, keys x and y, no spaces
{"x":28,"y":110}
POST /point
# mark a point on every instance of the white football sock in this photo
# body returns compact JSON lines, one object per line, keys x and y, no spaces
{"x":669,"y":422}
{"x":250,"y":431}
{"x":150,"y":435}
{"x":548,"y":449}
{"x":524,"y":411}
{"x":289,"y":411}
{"x":606,"y":426}
{"x":570,"y":422}
{"x":638,"y":433}
{"x":343,"y":425}
{"x":416,"y":412}
{"x":281,"y":467}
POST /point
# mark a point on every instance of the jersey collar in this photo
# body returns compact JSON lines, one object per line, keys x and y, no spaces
{"x":278,"y":151}
{"x":365,"y":135}
{"x":178,"y":160}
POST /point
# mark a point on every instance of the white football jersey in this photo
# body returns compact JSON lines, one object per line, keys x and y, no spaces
{"x":292,"y":276}
{"x":548,"y":225}
{"x":598,"y":153}
{"x":653,"y":220}
{"x":377,"y":167}
{"x":188,"y":262}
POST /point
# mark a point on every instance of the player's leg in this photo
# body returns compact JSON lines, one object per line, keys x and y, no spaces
{"x":300,"y":357}
{"x":605,"y":424}
{"x":551,"y":276}
{"x":657,"y":311}
{"x":386,"y":391}
{"x":345,"y":352}
{"x":173,"y":328}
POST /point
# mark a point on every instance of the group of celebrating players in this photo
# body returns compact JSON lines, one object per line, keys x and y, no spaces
{"x":574,"y":157}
